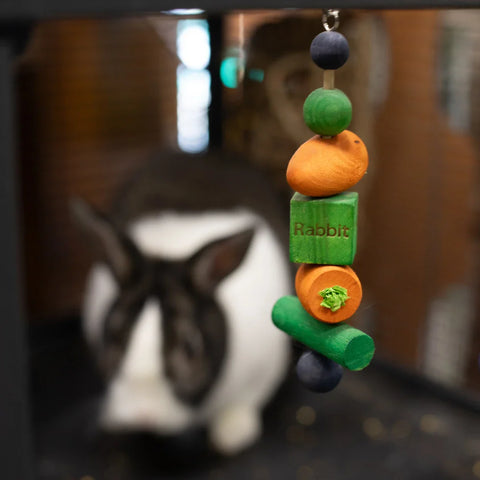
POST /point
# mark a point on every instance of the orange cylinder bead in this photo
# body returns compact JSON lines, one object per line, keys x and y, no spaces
{"x":312,"y":279}
{"x":322,"y":167}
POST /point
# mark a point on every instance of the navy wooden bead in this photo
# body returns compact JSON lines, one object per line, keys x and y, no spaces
{"x":318,"y":373}
{"x":329,"y":50}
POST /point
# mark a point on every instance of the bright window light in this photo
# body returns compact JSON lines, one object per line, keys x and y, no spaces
{"x":193,"y":43}
{"x":193,"y":85}
{"x":184,"y":11}
{"x":193,"y":100}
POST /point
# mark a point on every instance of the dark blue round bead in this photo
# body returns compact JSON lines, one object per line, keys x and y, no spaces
{"x":318,"y":373}
{"x":329,"y":50}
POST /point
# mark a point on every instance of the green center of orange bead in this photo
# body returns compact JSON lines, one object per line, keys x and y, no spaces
{"x":334,"y":297}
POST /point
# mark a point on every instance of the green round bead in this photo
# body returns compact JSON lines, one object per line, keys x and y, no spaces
{"x":327,"y":112}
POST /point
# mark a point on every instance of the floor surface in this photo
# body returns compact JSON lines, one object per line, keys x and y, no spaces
{"x":375,"y":426}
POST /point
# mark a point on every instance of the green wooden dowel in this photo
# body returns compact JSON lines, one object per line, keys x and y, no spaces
{"x":340,"y":342}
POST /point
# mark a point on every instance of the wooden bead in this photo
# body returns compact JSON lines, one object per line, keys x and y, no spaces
{"x":329,"y":50}
{"x":318,"y":373}
{"x":340,"y":342}
{"x":326,"y":166}
{"x":324,"y":230}
{"x":327,"y":112}
{"x":313,"y":279}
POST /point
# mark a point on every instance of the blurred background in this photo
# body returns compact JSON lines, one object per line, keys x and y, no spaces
{"x":98,"y":97}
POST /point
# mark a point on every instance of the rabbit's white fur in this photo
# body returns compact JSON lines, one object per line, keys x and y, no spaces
{"x":257,"y":353}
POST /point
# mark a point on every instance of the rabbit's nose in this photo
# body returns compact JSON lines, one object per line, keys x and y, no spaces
{"x":144,"y":418}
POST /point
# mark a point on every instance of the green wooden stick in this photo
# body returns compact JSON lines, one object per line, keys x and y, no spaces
{"x":340,"y":342}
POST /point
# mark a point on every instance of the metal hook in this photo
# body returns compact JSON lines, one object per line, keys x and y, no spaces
{"x":328,"y":15}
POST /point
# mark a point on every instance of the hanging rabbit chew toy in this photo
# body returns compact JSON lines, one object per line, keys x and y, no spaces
{"x":323,"y":229}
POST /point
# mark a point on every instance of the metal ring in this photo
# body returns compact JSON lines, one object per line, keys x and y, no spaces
{"x":327,"y":16}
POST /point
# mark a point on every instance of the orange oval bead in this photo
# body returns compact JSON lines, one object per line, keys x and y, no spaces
{"x":312,"y":279}
{"x":326,"y":166}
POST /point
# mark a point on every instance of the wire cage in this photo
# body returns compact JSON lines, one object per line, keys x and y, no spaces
{"x":88,"y":101}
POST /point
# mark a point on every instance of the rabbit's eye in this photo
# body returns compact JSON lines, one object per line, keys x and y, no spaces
{"x":189,"y":349}
{"x":186,"y":359}
{"x":192,"y":347}
{"x":189,"y":339}
{"x":191,"y":344}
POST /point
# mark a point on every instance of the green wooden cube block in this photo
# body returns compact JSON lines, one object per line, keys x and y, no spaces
{"x":323,"y":230}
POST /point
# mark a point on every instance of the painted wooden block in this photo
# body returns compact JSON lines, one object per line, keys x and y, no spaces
{"x":340,"y":342}
{"x":330,"y":293}
{"x":323,"y":230}
{"x":322,"y":166}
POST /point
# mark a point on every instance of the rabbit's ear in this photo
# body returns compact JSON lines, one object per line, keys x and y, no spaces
{"x":218,"y":259}
{"x":116,"y":248}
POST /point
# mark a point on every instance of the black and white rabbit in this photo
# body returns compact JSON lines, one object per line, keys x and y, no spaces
{"x":178,"y":311}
